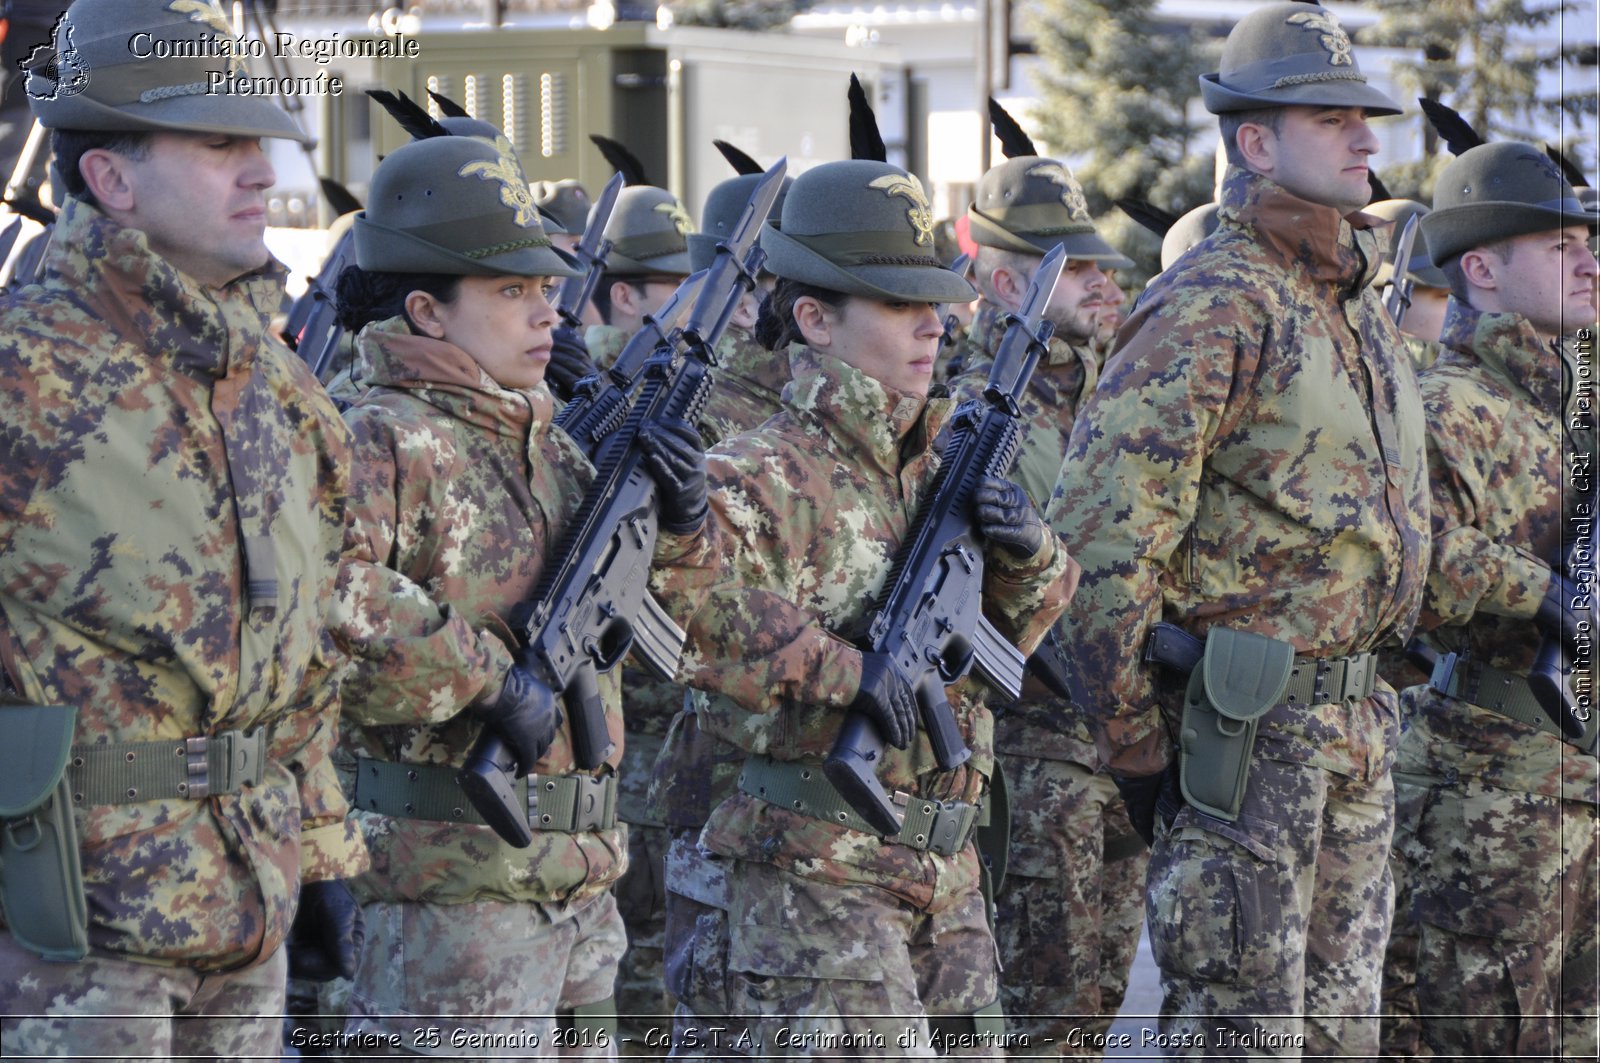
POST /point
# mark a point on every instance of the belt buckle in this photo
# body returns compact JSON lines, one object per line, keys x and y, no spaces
{"x":589,"y":807}
{"x":1444,"y":668}
{"x":1358,"y":676}
{"x":944,"y":832}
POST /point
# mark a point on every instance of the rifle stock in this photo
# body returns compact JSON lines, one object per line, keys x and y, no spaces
{"x":592,"y":604}
{"x":929,"y":618}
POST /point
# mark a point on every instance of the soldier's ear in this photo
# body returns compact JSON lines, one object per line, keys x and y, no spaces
{"x":814,"y":322}
{"x":106,"y":174}
{"x":1481,"y":268}
{"x":422,"y":310}
{"x":1257,"y":147}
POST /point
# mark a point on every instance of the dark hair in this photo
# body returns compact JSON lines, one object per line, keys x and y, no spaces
{"x":70,"y":145}
{"x":1229,"y":123}
{"x":1460,"y":287}
{"x":775,"y":325}
{"x":602,"y":291}
{"x":363,"y":296}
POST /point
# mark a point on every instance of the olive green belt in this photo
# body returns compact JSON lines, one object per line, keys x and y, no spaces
{"x":191,"y":768}
{"x":1505,"y":693}
{"x":1312,"y":680}
{"x":943,"y":827}
{"x":571,"y":804}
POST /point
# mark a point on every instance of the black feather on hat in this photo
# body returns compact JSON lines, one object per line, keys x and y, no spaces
{"x":1147,"y":214}
{"x":338,"y":196}
{"x":1573,"y":174}
{"x":1457,"y":132}
{"x":1014,"y":142}
{"x":742,"y":164}
{"x":621,"y":159}
{"x":865,"y":140}
{"x":450,"y":108}
{"x":412,"y":116}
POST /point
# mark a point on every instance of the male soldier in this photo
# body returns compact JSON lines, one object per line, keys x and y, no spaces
{"x":1067,"y":917}
{"x":1498,"y":836}
{"x":172,"y":485}
{"x":649,"y":259}
{"x":1251,"y":469}
{"x":567,"y":203}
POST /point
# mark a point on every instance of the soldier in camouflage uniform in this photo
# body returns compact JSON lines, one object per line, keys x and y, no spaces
{"x":1251,"y":469}
{"x":834,"y":934}
{"x":1500,"y":840}
{"x":172,"y":485}
{"x":648,"y":230}
{"x":1068,"y":914}
{"x":567,"y":202}
{"x":461,"y":487}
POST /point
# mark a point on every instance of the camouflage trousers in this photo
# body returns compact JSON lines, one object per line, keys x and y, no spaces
{"x":642,"y":1004}
{"x":487,"y":980}
{"x":835,"y":971}
{"x":1504,"y":904}
{"x":1067,"y":918}
{"x":1401,"y":1027}
{"x":1269,"y":931}
{"x":697,"y":903}
{"x":113,"y":1008}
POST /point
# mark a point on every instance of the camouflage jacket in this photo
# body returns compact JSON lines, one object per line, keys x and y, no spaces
{"x":695,"y":771}
{"x":1039,"y":724}
{"x":605,"y":343}
{"x":459,"y":491}
{"x":810,"y":508}
{"x":1228,"y":470}
{"x":1497,"y":464}
{"x":160,"y":454}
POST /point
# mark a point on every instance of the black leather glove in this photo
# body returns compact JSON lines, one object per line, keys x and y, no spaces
{"x":525,"y":716}
{"x":326,"y":937}
{"x":887,"y":698}
{"x":569,"y":362}
{"x":1560,"y":615}
{"x":1149,"y":796}
{"x":675,"y":458}
{"x":1005,"y":516}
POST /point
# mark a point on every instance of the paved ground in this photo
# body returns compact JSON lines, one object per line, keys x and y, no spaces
{"x":1135,"y":1027}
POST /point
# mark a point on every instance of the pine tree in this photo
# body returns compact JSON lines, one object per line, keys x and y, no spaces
{"x":1114,"y":89}
{"x":736,"y":14}
{"x":1478,"y":57}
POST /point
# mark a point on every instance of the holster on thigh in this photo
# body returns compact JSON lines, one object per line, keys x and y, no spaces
{"x":41,"y":878}
{"x":1241,"y":676}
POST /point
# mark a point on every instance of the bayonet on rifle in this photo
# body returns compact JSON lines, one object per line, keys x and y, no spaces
{"x":929,"y":618}
{"x":591,"y":253}
{"x":1397,"y":300}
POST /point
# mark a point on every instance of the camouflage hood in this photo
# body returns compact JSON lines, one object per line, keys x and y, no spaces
{"x":446,"y":377}
{"x":154,"y":305}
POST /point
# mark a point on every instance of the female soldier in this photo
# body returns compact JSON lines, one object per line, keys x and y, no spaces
{"x":838,"y":940}
{"x":460,"y":488}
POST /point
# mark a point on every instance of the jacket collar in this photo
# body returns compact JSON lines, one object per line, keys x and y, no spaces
{"x":1508,"y":346}
{"x":863,"y":415}
{"x":448,"y":378}
{"x":1332,"y":248}
{"x":152,"y":304}
{"x":739,"y":355}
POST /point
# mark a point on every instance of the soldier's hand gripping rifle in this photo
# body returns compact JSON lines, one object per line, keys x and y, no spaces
{"x":591,"y":253}
{"x":1397,"y":300}
{"x":929,"y":618}
{"x":592,"y":604}
{"x":600,"y":402}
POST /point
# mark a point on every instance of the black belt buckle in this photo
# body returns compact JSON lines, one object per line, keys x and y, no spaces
{"x":1444,"y":668}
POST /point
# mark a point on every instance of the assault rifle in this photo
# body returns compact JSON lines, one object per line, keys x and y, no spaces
{"x":316,"y":312}
{"x":600,"y":401}
{"x":592,"y":603}
{"x":591,"y":253}
{"x":1397,"y":300}
{"x":929,"y":617}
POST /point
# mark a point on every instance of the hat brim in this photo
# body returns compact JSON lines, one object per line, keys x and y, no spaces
{"x":1449,"y":231}
{"x":1219,"y":99}
{"x":677,"y":264}
{"x":1087,"y":246}
{"x":233,"y":115}
{"x":789,"y":258}
{"x":382,"y":249}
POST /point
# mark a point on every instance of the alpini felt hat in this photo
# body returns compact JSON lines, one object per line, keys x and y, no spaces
{"x":724,"y":207}
{"x":567,"y":202}
{"x":1031,"y":204}
{"x":862,"y":228}
{"x":1497,"y":191}
{"x":148,"y":66}
{"x":455,"y":205}
{"x":649,"y":231}
{"x":1420,"y":269}
{"x":1287,"y":54}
